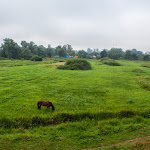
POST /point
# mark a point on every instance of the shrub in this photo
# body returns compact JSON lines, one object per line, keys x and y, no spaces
{"x":76,"y":64}
{"x":104,"y":59}
{"x":138,"y":71}
{"x":144,"y":82}
{"x":146,"y":65}
{"x":36,"y":58}
{"x":110,"y":62}
{"x":126,"y":113}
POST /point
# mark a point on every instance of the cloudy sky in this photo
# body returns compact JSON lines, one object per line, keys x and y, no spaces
{"x":81,"y":23}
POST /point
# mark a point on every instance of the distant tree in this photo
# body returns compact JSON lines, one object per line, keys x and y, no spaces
{"x":49,"y":51}
{"x":10,"y":49}
{"x":26,"y":52}
{"x":82,"y":54}
{"x":94,"y":54}
{"x":140,"y":54}
{"x":115,"y":53}
{"x":133,"y":54}
{"x":0,"y":52}
{"x":41,"y":51}
{"x":104,"y":53}
{"x":89,"y":51}
{"x":128,"y":54}
{"x":96,"y":50}
{"x":60,"y":51}
{"x":69,"y":50}
{"x":146,"y":56}
{"x":33,"y":48}
{"x":30,"y":49}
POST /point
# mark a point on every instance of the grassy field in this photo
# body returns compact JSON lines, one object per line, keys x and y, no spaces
{"x":97,"y":108}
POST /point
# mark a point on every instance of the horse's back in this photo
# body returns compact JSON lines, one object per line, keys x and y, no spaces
{"x":44,"y":103}
{"x":40,"y":101}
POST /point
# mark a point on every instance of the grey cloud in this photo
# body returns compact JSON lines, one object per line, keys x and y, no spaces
{"x":81,"y":23}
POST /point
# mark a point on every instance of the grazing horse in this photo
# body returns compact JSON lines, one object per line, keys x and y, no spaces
{"x":43,"y":103}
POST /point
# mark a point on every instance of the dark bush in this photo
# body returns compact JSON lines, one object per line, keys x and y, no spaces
{"x":110,"y":62}
{"x":146,"y":65}
{"x":36,"y":58}
{"x":126,"y":113}
{"x":76,"y":64}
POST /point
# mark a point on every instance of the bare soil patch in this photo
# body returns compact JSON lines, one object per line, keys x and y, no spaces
{"x":59,"y":63}
{"x":122,"y":143}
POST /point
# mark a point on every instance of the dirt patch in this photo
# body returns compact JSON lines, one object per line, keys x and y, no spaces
{"x":122,"y":143}
{"x":59,"y":63}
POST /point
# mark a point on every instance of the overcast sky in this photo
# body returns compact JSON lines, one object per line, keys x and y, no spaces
{"x":82,"y":23}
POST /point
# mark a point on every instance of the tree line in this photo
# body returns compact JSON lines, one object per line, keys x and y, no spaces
{"x":115,"y":53}
{"x":11,"y":50}
{"x":26,"y":50}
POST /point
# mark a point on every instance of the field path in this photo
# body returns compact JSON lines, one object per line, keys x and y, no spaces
{"x":121,"y":143}
{"x":58,"y":63}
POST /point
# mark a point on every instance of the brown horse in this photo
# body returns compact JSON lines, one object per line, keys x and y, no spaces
{"x":43,"y":103}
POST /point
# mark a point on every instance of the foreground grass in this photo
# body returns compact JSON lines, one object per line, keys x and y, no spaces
{"x":102,"y":106}
{"x":77,"y":135}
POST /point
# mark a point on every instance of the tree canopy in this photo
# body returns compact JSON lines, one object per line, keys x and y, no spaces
{"x":11,"y":50}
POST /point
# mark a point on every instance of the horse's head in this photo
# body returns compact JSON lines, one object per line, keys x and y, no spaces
{"x":53,"y":108}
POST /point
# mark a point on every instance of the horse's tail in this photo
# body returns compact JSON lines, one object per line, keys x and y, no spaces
{"x":53,"y":108}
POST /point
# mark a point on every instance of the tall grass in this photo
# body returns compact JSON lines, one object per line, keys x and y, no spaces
{"x":36,"y":121}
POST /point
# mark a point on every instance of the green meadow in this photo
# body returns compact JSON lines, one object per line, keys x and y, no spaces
{"x":95,"y":108}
